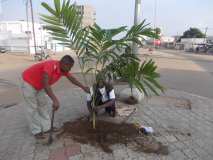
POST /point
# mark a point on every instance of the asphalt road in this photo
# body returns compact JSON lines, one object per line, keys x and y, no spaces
{"x":182,"y":71}
{"x":188,"y":72}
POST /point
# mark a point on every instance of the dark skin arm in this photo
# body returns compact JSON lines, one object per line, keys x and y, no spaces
{"x":77,"y":83}
{"x":107,"y":104}
{"x":89,"y":106}
{"x":49,"y":91}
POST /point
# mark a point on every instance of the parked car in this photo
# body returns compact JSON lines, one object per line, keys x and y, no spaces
{"x":201,"y":48}
{"x":3,"y":50}
{"x":210,"y":49}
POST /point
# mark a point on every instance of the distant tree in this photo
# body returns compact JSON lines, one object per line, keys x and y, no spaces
{"x":193,"y":33}
{"x":157,"y":31}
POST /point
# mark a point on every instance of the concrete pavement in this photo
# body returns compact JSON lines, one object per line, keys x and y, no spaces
{"x":188,"y":133}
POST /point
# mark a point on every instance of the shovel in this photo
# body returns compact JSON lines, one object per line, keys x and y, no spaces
{"x":50,"y":139}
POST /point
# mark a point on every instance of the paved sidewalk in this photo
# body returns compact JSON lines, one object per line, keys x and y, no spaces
{"x":188,"y":133}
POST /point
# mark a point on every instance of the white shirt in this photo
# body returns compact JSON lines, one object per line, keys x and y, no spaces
{"x":103,"y":93}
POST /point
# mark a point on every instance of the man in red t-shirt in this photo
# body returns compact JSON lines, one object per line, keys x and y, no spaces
{"x":37,"y":81}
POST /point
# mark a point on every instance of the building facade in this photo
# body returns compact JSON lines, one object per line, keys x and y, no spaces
{"x":17,"y":36}
{"x":88,"y":14}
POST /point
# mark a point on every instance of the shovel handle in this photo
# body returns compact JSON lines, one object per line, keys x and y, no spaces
{"x":52,"y":119}
{"x":50,"y":139}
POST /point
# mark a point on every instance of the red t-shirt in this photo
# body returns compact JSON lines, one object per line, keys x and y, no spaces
{"x":34,"y":74}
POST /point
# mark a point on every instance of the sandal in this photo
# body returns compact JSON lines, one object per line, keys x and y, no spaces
{"x":40,"y":136}
{"x":55,"y":130}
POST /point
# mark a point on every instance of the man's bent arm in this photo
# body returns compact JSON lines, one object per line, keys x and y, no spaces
{"x":77,"y":83}
{"x":107,"y":104}
{"x":48,"y":88}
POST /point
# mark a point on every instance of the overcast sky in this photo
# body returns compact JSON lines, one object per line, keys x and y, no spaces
{"x":173,"y":16}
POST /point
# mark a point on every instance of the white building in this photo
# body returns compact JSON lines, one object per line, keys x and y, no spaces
{"x":167,"y":39}
{"x":17,"y":36}
{"x":88,"y":14}
{"x":190,"y":44}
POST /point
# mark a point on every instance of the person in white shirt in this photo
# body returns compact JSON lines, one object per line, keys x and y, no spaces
{"x":104,"y":98}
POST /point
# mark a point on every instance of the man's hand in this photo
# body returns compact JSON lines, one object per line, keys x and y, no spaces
{"x":95,"y":109}
{"x":49,"y":92}
{"x":86,"y":89}
{"x":55,"y":105}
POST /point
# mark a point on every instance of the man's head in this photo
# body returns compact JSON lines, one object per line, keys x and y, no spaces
{"x":100,"y":80}
{"x":66,"y":63}
{"x":101,"y":83}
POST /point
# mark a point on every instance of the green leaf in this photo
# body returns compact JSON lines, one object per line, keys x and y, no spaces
{"x":50,"y":21}
{"x":51,"y":18}
{"x":151,"y":87}
{"x":57,"y":6}
{"x":48,"y":8}
{"x":89,"y":70}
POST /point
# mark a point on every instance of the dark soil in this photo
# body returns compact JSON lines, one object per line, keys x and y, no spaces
{"x":108,"y":133}
{"x":131,"y":100}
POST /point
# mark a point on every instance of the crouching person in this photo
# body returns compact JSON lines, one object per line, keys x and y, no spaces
{"x":104,"y":98}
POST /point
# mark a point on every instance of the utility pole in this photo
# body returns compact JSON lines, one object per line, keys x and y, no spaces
{"x":155,"y":18}
{"x":28,"y":37}
{"x":0,"y":7}
{"x":137,"y":21}
{"x":137,"y":11}
{"x":206,"y":29}
{"x":33,"y":27}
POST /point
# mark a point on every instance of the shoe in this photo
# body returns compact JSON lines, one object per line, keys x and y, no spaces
{"x":112,"y":114}
{"x":55,"y":130}
{"x":39,"y":136}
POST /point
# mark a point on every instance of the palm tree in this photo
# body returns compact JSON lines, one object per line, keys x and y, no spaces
{"x":99,"y":46}
{"x":142,"y":76}
{"x":64,"y":24}
{"x":100,"y":51}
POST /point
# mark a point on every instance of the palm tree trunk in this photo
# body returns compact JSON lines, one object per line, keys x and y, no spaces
{"x":93,"y":101}
{"x":131,"y":87}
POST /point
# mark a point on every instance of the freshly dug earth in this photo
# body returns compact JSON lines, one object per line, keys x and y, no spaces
{"x":108,"y":133}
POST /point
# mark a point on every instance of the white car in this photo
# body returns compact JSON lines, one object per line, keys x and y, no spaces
{"x":2,"y":50}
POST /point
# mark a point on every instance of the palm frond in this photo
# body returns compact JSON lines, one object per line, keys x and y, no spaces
{"x":64,"y":24}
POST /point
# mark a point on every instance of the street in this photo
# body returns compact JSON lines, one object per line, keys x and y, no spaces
{"x":186,"y":72}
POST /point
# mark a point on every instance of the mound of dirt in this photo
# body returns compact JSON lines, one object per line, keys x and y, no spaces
{"x":108,"y":133}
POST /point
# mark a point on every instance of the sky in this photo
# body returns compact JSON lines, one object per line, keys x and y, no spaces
{"x":172,"y":16}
